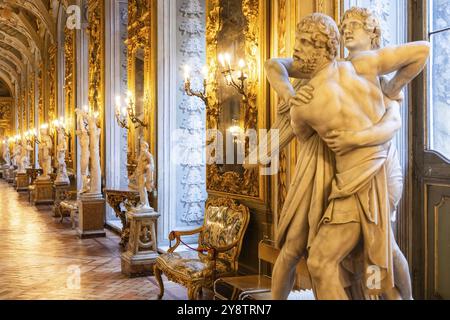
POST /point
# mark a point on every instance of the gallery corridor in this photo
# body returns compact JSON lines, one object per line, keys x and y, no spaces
{"x":40,"y":258}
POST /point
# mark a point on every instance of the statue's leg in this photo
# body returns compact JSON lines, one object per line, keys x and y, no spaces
{"x":402,"y":278}
{"x":332,"y":244}
{"x":283,"y":275}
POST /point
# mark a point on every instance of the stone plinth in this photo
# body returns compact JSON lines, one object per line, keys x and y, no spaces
{"x":141,"y":253}
{"x":11,"y":175}
{"x":22,"y":182}
{"x":43,"y":192}
{"x":91,"y":216}
{"x":14,"y":182}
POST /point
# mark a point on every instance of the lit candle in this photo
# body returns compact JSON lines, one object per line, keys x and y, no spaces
{"x":205,"y":72}
{"x":228,"y":60}
{"x":85,"y":108}
{"x":222,"y":60}
{"x":241,"y":67}
{"x":187,"y":71}
{"x":124,"y":111}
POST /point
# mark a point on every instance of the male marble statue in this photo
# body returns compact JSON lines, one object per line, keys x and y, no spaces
{"x":16,"y":153}
{"x":45,"y":150}
{"x":61,"y":149}
{"x":83,"y":135}
{"x":94,"y":150}
{"x":331,"y":230}
{"x":145,"y":175}
{"x":6,"y":154}
{"x":24,"y":160}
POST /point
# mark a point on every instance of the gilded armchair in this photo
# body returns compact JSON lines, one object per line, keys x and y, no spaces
{"x":219,"y":246}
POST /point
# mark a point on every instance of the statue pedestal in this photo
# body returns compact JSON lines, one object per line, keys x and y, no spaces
{"x":11,"y":175}
{"x":141,"y":253}
{"x":5,"y":172}
{"x":43,"y":192}
{"x":91,"y":216}
{"x":14,"y":182}
{"x":60,"y":189}
{"x":22,"y":182}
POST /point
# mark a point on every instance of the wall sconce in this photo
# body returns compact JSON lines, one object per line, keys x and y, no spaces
{"x":235,"y":130}
{"x":121,"y":114}
{"x":131,"y":108}
{"x":187,"y":84}
{"x":61,"y":124}
{"x":239,"y":84}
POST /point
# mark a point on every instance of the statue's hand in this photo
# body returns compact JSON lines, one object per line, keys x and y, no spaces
{"x":304,"y":96}
{"x":341,"y":142}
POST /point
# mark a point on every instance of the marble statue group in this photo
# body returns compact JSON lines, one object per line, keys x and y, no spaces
{"x":348,"y":180}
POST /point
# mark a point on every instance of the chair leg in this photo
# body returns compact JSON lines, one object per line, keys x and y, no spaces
{"x":193,"y":292}
{"x":158,"y":277}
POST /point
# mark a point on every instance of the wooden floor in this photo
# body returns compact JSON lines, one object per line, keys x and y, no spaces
{"x":41,"y":258}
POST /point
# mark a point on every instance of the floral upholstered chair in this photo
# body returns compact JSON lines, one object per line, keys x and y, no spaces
{"x":219,"y":246}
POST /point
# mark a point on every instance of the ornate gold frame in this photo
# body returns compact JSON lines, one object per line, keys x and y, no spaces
{"x":142,"y":34}
{"x":70,"y":92}
{"x":96,"y":57}
{"x":249,"y":186}
{"x":51,"y":76}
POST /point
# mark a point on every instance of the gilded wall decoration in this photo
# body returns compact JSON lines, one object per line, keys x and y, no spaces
{"x":51,"y":76}
{"x":141,"y":53}
{"x":31,"y":99}
{"x":41,"y":95}
{"x":96,"y":74}
{"x":96,"y":55}
{"x":241,"y":183}
{"x":70,"y":91}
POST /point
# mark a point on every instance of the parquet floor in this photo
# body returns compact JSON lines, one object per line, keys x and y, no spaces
{"x":41,"y":258}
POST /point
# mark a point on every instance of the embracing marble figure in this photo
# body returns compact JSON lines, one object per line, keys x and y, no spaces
{"x":6,"y":154}
{"x":45,"y":154}
{"x":24,"y":158}
{"x":61,"y":149}
{"x":339,"y":203}
{"x":83,"y":135}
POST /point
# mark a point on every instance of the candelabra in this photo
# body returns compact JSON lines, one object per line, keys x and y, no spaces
{"x":239,"y":84}
{"x":187,"y":85}
{"x":123,"y":114}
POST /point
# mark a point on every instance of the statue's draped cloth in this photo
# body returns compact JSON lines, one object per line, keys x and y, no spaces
{"x":317,"y":191}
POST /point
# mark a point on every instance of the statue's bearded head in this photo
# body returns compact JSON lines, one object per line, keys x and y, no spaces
{"x":360,"y":30}
{"x":317,"y":42}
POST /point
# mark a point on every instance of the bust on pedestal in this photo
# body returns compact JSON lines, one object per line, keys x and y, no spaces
{"x":141,"y":253}
{"x":91,"y":203}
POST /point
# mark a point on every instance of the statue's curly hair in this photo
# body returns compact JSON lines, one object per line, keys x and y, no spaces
{"x":325,"y":32}
{"x":369,"y":20}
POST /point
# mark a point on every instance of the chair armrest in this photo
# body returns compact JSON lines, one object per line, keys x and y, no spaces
{"x":176,"y":235}
{"x":226,"y":248}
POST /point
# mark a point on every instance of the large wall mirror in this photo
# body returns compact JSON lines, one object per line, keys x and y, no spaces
{"x":234,"y":31}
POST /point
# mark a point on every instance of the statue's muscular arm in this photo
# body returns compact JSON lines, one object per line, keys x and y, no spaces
{"x":406,"y":60}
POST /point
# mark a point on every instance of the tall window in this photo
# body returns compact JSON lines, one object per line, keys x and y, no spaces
{"x":439,"y":77}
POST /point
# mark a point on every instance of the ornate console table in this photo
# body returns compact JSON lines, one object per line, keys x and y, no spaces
{"x":117,"y":197}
